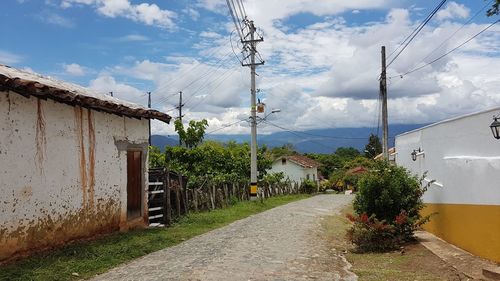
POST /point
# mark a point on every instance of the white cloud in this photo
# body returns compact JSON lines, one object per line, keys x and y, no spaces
{"x":74,"y":69}
{"x":133,"y":38}
{"x":326,"y":74}
{"x":149,"y":14}
{"x":9,"y":58}
{"x":56,"y":19}
{"x":192,"y":13}
{"x":106,"y":83}
{"x":453,"y":10}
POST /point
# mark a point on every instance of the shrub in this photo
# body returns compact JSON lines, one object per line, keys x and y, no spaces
{"x":308,"y":186}
{"x":388,"y":190}
{"x":388,"y":207}
{"x":370,"y":234}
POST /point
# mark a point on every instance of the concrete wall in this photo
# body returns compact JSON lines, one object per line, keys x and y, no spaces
{"x":464,"y":159}
{"x":293,"y":171}
{"x":63,"y":172}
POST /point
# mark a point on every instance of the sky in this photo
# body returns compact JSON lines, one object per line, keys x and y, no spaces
{"x":322,"y":58}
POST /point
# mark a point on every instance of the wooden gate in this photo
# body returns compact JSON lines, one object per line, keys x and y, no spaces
{"x":157,"y":197}
{"x":166,"y":189}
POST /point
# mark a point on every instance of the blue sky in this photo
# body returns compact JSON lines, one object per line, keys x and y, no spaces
{"x":322,"y":57}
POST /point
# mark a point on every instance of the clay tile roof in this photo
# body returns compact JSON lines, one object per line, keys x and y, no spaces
{"x":303,"y":161}
{"x":357,"y":170}
{"x":32,"y":84}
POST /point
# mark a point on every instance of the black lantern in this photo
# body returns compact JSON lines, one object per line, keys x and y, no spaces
{"x":415,"y":153}
{"x":495,"y":128}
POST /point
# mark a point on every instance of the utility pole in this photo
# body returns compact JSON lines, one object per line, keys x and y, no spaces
{"x":247,"y":31}
{"x":180,"y":113}
{"x":149,"y":106}
{"x":252,"y":44}
{"x":383,"y":97}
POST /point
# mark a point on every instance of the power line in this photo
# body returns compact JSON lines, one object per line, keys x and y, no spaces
{"x":416,"y":31}
{"x":456,"y":31}
{"x":447,"y":53}
{"x":213,"y":90}
{"x":209,"y":73}
{"x":296,"y":134}
{"x":225,"y":126}
{"x":314,"y":135}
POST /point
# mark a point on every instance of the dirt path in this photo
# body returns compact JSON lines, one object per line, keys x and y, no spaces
{"x":285,"y":243}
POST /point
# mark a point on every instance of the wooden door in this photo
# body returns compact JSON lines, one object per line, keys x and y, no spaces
{"x":134,"y":184}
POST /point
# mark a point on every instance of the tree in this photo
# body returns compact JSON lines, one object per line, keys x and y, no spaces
{"x":374,"y":147}
{"x":347,"y":153}
{"x":156,"y":157}
{"x":194,"y":134}
{"x":284,"y":150}
{"x":494,"y":10}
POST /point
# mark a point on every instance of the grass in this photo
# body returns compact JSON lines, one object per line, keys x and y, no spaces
{"x":86,"y":259}
{"x":415,"y":263}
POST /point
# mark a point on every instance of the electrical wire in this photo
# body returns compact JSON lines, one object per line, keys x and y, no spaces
{"x":314,"y":135}
{"x":225,"y":126}
{"x":213,"y":90}
{"x":412,"y":36}
{"x":296,"y":134}
{"x":447,"y":53}
{"x":456,"y":31}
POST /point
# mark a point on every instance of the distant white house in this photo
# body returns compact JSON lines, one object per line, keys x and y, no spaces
{"x":297,"y":168}
{"x":461,"y":159}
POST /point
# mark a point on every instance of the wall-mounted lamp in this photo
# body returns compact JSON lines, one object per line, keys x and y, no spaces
{"x":495,"y":127}
{"x":416,"y":153}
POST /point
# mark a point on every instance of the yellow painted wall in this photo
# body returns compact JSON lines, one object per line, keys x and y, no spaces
{"x":474,"y":228}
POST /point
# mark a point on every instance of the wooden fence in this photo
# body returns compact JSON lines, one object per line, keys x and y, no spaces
{"x":169,"y":198}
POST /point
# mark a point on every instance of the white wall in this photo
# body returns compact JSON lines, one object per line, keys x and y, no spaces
{"x":293,"y":171}
{"x":461,"y":155}
{"x":59,"y":179}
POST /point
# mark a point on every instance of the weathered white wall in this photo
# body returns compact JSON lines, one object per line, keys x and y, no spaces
{"x":63,"y":171}
{"x":461,"y":155}
{"x":293,"y":171}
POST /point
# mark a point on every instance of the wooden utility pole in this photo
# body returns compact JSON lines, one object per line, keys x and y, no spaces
{"x":149,"y":121}
{"x":383,"y":97}
{"x":180,"y":113}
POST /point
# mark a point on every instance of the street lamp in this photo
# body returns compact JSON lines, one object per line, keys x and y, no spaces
{"x":272,"y":112}
{"x":495,"y":127}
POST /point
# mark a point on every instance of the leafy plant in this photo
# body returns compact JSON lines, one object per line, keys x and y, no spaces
{"x":193,"y":135}
{"x":309,"y":186}
{"x":388,"y":207}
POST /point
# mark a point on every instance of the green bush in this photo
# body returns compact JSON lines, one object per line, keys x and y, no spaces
{"x":370,"y":234}
{"x":309,"y":186}
{"x":388,"y":190}
{"x":388,"y":207}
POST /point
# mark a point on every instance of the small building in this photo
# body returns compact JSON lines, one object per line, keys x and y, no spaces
{"x":297,"y":168}
{"x":73,"y":162}
{"x":392,"y":155}
{"x":461,"y":161}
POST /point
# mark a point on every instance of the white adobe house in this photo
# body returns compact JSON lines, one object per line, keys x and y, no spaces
{"x":73,"y":162}
{"x":462,"y":157}
{"x":297,"y":168}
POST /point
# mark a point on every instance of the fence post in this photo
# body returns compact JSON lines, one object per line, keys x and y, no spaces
{"x":168,"y":205}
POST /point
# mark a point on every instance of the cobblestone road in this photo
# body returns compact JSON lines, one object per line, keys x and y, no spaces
{"x":285,"y":243}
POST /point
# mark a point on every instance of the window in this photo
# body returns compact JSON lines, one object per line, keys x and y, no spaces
{"x":283,"y":161}
{"x":314,"y":177}
{"x":307,"y":177}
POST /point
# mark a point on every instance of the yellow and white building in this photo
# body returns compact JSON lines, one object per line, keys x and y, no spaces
{"x":462,"y":160}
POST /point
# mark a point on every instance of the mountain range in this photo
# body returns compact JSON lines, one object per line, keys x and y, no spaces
{"x":310,"y":141}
